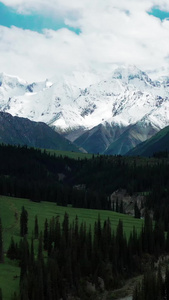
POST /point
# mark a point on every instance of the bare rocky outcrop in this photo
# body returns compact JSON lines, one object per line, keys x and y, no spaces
{"x":129,"y":201}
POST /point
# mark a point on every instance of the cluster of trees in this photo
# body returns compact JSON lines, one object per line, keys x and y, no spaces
{"x":155,"y":285}
{"x":72,"y":255}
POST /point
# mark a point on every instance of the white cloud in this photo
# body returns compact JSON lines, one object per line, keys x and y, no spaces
{"x":112,"y":31}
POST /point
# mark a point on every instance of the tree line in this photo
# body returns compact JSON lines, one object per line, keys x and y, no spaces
{"x":37,"y":175}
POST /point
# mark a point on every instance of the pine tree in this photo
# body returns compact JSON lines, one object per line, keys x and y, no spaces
{"x":25,"y":257}
{"x":13,"y":252}
{"x":36,"y":229}
{"x":121,"y":207}
{"x":1,"y":294}
{"x":40,"y":247}
{"x":46,"y":235}
{"x":32,"y":252}
{"x":136,"y":211}
{"x":1,"y":244}
{"x":65,"y":227}
{"x":117,"y":205}
{"x":23,"y":222}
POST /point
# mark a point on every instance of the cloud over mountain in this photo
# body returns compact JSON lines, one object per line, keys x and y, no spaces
{"x":110,"y":32}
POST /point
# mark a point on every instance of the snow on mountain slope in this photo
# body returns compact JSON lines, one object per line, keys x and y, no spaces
{"x":84,"y":100}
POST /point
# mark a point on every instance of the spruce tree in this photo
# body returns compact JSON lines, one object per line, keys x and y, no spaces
{"x":36,"y":229}
{"x":23,"y":222}
{"x":40,"y":247}
{"x":46,"y":235}
{"x":137,"y":213}
{"x":1,"y":244}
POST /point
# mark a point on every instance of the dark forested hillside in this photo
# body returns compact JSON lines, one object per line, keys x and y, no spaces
{"x":22,"y":131}
{"x":39,"y":176}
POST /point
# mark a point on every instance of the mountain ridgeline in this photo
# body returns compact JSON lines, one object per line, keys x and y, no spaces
{"x":109,"y":113}
{"x":22,"y":131}
{"x":158,"y":143}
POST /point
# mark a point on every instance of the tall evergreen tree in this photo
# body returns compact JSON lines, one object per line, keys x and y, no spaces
{"x":137,"y":213}
{"x":40,"y":247}
{"x":1,"y":298}
{"x":23,"y":222}
{"x":1,"y":244}
{"x":46,"y":235}
{"x":36,"y":228}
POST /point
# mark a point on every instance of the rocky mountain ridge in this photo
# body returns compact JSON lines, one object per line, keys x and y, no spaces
{"x":22,"y":131}
{"x":93,"y":111}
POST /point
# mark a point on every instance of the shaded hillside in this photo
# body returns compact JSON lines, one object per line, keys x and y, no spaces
{"x":132,"y":136}
{"x":98,"y":139}
{"x":22,"y":131}
{"x":159,"y":142}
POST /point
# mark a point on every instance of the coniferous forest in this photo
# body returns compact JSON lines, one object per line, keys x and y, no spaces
{"x":73,"y":256}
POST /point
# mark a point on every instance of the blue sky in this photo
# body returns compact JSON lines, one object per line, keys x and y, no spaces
{"x":35,"y":21}
{"x":82,"y":35}
{"x":158,"y":13}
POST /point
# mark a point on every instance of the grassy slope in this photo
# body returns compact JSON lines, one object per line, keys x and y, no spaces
{"x":9,"y":206}
{"x":70,"y":154}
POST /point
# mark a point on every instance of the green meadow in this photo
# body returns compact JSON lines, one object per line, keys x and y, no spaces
{"x":70,"y":154}
{"x":10,"y":209}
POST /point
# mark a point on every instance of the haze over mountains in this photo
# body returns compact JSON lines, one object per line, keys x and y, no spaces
{"x":109,"y":113}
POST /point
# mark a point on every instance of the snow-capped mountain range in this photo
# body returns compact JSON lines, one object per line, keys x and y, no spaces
{"x":77,"y":105}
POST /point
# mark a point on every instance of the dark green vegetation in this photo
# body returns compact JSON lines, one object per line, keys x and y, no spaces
{"x":11,"y":210}
{"x":83,"y":245}
{"x":72,"y":253}
{"x":72,"y":154}
{"x":15,"y":131}
{"x":76,"y":259}
{"x":155,"y":285}
{"x":158,"y":143}
{"x":86,"y":183}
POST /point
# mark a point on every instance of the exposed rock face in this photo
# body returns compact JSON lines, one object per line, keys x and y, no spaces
{"x":128,"y":201}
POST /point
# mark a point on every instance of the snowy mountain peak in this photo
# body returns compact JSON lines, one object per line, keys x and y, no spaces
{"x":132,"y":75}
{"x":11,"y":81}
{"x":84,"y":100}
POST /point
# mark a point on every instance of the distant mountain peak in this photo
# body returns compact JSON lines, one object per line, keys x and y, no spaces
{"x":123,"y":97}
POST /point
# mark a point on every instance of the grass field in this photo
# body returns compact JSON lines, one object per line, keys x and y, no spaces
{"x":10,"y":209}
{"x":70,"y":154}
{"x":9,"y":279}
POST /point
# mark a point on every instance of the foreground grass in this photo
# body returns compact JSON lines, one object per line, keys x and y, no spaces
{"x":9,"y":279}
{"x":10,"y":209}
